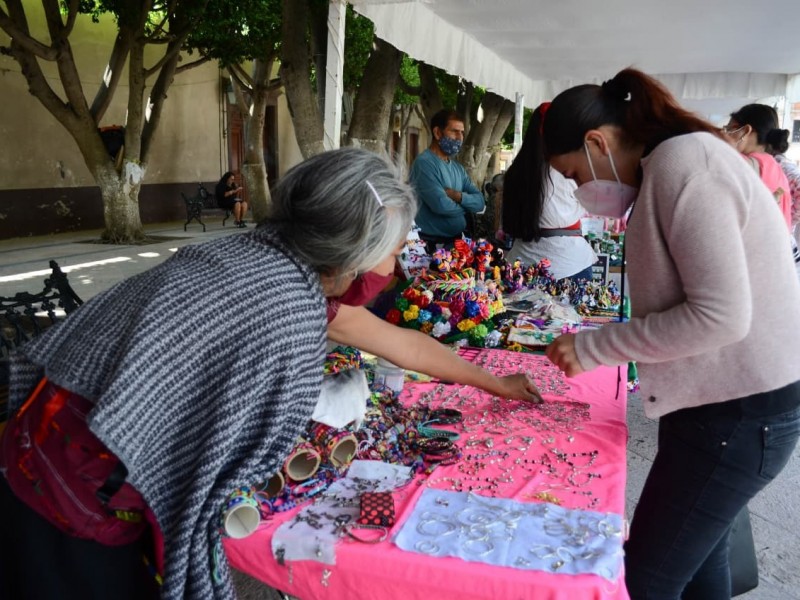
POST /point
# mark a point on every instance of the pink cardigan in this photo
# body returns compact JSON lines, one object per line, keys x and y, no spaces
{"x":714,"y":295}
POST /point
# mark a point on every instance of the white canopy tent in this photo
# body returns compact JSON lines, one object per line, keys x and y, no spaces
{"x":715,"y":55}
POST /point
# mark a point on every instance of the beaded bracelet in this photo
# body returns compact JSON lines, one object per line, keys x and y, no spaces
{"x":282,"y":503}
{"x":427,"y":431}
{"x":309,"y":487}
{"x":435,"y":445}
{"x":442,"y":459}
{"x":446,"y":416}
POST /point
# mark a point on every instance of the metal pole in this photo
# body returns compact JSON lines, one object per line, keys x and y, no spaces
{"x":519,"y":106}
{"x":334,"y":70}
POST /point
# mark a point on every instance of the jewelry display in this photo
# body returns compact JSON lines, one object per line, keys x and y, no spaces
{"x":314,"y":532}
{"x":505,"y":532}
{"x":384,"y":533}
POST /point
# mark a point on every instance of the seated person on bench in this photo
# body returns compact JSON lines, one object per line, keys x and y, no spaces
{"x":227,"y":194}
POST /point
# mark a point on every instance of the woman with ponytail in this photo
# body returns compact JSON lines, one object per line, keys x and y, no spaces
{"x":544,"y":225}
{"x":752,"y":130}
{"x":714,"y":328}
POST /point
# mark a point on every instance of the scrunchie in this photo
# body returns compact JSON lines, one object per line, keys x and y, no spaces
{"x":613,"y":89}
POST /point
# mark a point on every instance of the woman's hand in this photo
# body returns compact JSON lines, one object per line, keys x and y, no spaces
{"x":562,"y":354}
{"x":518,"y":387}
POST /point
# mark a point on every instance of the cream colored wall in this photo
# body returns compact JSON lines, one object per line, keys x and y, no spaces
{"x":37,"y":152}
{"x":288,"y":149}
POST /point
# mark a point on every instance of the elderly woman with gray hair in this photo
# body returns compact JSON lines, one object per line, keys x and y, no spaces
{"x":137,"y":417}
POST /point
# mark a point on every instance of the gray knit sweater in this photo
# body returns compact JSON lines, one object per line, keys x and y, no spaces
{"x":203,"y":371}
{"x":714,"y":294}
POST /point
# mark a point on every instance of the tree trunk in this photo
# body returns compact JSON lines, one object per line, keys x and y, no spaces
{"x":373,"y":103}
{"x":474,"y":154}
{"x":295,"y":75}
{"x":120,"y":194}
{"x":464,"y":104}
{"x":500,"y":126}
{"x":254,"y":168}
{"x":390,"y":133}
{"x":430,"y":96}
{"x":119,"y":190}
{"x":318,"y":41}
{"x":406,"y":111}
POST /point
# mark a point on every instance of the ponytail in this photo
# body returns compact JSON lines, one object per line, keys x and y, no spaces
{"x":640,"y":106}
{"x":525,"y":184}
{"x":653,"y":115}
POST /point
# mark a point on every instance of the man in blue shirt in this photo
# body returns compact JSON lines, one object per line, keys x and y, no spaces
{"x":446,"y":194}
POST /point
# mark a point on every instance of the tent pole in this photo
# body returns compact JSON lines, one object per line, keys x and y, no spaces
{"x":518,"y":108}
{"x":334,"y":71}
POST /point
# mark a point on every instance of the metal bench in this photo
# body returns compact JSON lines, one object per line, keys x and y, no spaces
{"x":24,"y":316}
{"x":197,"y":203}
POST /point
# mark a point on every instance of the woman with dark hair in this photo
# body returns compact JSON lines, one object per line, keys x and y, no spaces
{"x":135,"y":419}
{"x":715,"y":325}
{"x":753,"y":130}
{"x":227,"y":194}
{"x":776,"y":143}
{"x":544,"y":225}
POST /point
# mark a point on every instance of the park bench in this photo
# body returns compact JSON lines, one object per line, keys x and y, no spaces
{"x":195,"y":205}
{"x":25,"y":315}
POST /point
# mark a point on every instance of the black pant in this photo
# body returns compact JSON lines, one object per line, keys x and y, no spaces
{"x":711,"y":461}
{"x":40,"y":562}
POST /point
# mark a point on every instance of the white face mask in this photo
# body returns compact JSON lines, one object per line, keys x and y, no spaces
{"x":605,"y":198}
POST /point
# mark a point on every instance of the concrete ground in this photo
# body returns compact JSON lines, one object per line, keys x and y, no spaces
{"x":93,"y":267}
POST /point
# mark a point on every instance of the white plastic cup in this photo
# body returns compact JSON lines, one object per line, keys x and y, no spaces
{"x":389,"y":375}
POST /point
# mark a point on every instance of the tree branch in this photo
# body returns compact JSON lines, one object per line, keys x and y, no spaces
{"x":16,"y":27}
{"x":192,"y":65}
{"x":40,"y":89}
{"x":157,"y":96}
{"x":72,"y":16}
{"x":405,"y":87}
{"x":241,"y":76}
{"x":427,"y":125}
{"x":55,"y":26}
{"x":175,"y":45}
{"x":116,"y":63}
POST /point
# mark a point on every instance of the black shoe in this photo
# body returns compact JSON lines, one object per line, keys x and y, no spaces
{"x":241,"y":224}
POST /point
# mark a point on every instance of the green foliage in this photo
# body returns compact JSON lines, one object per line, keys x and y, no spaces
{"x":448,"y":86}
{"x":126,"y":12}
{"x":233,"y":32}
{"x":358,"y":44}
{"x":410,"y":74}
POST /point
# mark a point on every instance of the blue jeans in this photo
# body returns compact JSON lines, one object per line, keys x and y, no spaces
{"x":711,"y":461}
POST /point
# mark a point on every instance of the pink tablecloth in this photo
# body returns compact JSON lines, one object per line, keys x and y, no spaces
{"x":384,"y":572}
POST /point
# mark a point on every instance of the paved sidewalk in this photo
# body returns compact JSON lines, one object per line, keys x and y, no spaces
{"x":92,"y":268}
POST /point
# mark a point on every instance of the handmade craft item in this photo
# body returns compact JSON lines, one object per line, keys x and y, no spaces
{"x":337,"y":446}
{"x":241,"y":514}
{"x":377,"y":508}
{"x":303,"y":462}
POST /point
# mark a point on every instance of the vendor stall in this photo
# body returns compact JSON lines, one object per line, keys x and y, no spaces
{"x":515,"y":500}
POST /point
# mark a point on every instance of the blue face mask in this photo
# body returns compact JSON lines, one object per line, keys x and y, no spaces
{"x":449,"y":146}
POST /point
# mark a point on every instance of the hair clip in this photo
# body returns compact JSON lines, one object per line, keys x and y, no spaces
{"x":374,"y":192}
